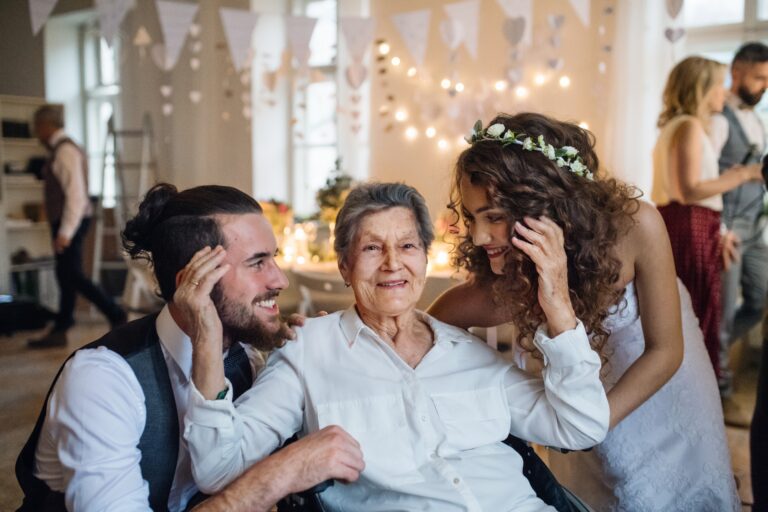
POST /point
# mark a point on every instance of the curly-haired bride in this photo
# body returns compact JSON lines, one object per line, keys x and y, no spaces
{"x":525,"y":174}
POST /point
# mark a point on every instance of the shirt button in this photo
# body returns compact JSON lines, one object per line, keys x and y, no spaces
{"x":456,"y":481}
{"x":423,"y":418}
{"x":433,"y":456}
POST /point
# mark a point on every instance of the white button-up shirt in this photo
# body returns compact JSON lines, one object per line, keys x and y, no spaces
{"x":88,"y":446}
{"x":431,"y":436}
{"x":68,"y":169}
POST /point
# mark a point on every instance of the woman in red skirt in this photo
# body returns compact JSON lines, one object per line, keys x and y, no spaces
{"x":688,"y":187}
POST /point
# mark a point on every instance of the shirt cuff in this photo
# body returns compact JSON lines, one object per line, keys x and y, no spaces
{"x":210,"y":413}
{"x":567,"y":348}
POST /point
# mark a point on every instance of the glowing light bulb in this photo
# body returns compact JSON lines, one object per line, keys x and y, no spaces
{"x":411,"y":72}
{"x":500,"y":85}
{"x":539,"y":79}
{"x":521,"y":92}
{"x":445,"y":83}
{"x":565,"y":81}
{"x":584,"y":125}
{"x":411,"y":133}
{"x":430,"y":132}
{"x":442,"y":258}
{"x":395,"y":61}
{"x":442,"y":144}
{"x":459,"y":86}
{"x":401,"y":115}
{"x":383,"y":48}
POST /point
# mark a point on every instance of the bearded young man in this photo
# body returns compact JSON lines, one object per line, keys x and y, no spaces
{"x":110,"y":434}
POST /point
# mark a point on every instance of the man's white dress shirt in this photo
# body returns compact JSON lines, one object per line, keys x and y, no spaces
{"x":88,"y":446}
{"x":431,"y":436}
{"x":68,"y":169}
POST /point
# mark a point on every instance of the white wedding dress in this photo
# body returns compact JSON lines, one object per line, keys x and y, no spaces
{"x":671,"y":453}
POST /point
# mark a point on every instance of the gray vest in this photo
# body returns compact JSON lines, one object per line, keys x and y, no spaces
{"x":54,"y":192}
{"x":745,"y":201}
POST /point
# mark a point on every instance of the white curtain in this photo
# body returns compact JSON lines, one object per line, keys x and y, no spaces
{"x":642,"y":59}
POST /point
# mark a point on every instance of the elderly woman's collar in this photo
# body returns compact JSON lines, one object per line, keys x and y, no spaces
{"x":352,"y":325}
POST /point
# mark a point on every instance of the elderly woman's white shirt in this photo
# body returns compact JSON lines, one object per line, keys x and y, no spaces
{"x":430,"y":434}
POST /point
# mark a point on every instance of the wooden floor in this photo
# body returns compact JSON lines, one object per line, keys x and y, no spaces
{"x":25,"y":376}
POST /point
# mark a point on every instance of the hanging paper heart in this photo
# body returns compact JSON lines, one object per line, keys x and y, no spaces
{"x":514,"y":75}
{"x":673,"y":35}
{"x":514,"y":29}
{"x":167,"y":109}
{"x":225,"y":116}
{"x":555,"y":63}
{"x":245,"y":97}
{"x":247,"y":112}
{"x":197,"y":46}
{"x":195,"y":96}
{"x":601,"y":30}
{"x":355,"y":114}
{"x":555,"y":21}
{"x":355,"y":98}
{"x":245,"y":78}
{"x":356,"y":128}
{"x":452,"y":33}
{"x":270,"y":80}
{"x":194,"y":63}
{"x":674,"y":7}
{"x":166,"y":90}
{"x":194,"y":30}
{"x":608,"y":10}
{"x":607,"y":48}
{"x":601,"y":67}
{"x":555,"y":41}
{"x":355,"y":75}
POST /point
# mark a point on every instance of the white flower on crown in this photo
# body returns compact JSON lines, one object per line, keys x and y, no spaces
{"x":570,"y":150}
{"x":495,"y":130}
{"x":528,"y":144}
{"x":549,"y":150}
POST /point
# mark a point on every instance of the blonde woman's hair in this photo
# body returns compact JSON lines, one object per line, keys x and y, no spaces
{"x":688,"y":83}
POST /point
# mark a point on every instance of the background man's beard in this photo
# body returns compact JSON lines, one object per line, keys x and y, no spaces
{"x":241,"y":324}
{"x":749,"y":98}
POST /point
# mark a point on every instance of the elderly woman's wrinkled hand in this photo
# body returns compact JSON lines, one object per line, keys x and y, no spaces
{"x":543,"y":241}
{"x":193,"y":297}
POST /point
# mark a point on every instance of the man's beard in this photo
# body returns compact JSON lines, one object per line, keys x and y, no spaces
{"x":750,"y":99}
{"x":239,"y":322}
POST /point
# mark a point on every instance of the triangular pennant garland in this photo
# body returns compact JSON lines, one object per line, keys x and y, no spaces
{"x":358,"y":34}
{"x":582,"y":10}
{"x":413,"y":27}
{"x":111,"y":14}
{"x":521,"y":12}
{"x":175,"y":19}
{"x":39,"y":11}
{"x":238,"y":28}
{"x":299,"y":31}
{"x":464,"y":14}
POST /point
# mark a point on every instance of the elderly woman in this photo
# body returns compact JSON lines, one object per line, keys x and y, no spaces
{"x":428,"y":403}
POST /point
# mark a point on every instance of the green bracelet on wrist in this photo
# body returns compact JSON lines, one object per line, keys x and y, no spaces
{"x":222,"y":394}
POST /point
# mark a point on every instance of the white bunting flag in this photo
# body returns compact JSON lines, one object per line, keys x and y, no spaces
{"x":39,"y":11}
{"x":413,"y":27}
{"x":299,"y":31}
{"x":522,"y":9}
{"x":582,"y":10}
{"x":175,"y":19}
{"x":111,"y":14}
{"x":238,"y":28}
{"x":358,"y":34}
{"x":465,"y":14}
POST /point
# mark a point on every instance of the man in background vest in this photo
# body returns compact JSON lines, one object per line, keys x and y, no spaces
{"x":110,"y":435}
{"x":69,"y":212}
{"x":738,"y":135}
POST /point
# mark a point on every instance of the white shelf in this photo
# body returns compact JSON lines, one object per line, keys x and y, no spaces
{"x":17,"y":141}
{"x":22,"y":181}
{"x":18,"y":227}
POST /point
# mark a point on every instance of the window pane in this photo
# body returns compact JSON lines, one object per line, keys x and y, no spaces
{"x":700,"y":13}
{"x":762,"y":9}
{"x":323,"y":43}
{"x":107,"y":62}
{"x":312,"y":166}
{"x":320,"y":117}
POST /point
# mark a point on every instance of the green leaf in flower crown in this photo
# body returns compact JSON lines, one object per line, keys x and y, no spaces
{"x":478,"y":126}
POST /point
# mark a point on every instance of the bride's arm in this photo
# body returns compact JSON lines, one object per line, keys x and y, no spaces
{"x":656,"y":285}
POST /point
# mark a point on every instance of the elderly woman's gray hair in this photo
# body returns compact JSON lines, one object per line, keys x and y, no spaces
{"x":370,"y":198}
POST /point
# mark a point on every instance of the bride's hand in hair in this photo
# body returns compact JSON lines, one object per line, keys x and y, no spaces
{"x":542,"y":240}
{"x":192,"y":298}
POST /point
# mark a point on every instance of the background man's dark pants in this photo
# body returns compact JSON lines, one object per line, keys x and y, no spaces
{"x":758,"y":439}
{"x":72,"y":280}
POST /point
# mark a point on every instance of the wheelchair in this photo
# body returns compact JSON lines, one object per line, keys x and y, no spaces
{"x":538,"y":474}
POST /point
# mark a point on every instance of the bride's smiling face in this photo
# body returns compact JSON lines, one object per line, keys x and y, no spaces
{"x":488,"y":224}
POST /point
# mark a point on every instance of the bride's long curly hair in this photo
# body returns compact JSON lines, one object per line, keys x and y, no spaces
{"x":593,"y":214}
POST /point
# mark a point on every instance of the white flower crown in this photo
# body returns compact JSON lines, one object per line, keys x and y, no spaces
{"x":566,"y":156}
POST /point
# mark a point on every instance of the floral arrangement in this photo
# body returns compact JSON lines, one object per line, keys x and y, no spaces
{"x":566,"y":157}
{"x":279,"y":215}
